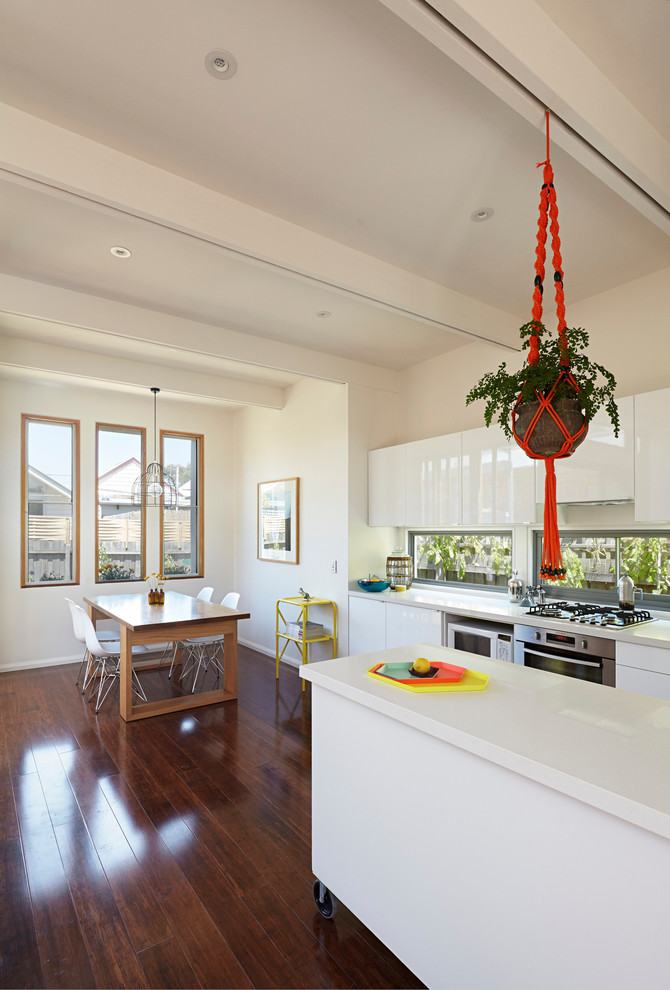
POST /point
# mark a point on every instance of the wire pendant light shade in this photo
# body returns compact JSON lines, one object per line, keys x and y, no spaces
{"x":155,"y":486}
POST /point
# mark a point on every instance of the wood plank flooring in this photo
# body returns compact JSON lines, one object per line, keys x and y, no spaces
{"x":168,"y":852}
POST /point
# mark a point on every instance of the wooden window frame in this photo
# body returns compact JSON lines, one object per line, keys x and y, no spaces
{"x":199,"y":437}
{"x":75,"y":424}
{"x":121,"y":428}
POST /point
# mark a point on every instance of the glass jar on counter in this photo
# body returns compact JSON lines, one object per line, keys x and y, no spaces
{"x":399,"y":570}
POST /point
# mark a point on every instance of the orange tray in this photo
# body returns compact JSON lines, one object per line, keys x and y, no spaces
{"x":447,"y":677}
{"x":400,"y":672}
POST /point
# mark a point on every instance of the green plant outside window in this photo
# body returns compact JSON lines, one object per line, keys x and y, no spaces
{"x":476,"y":559}
{"x":595,"y":562}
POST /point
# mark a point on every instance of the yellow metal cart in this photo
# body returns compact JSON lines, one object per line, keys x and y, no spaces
{"x":301,"y":618}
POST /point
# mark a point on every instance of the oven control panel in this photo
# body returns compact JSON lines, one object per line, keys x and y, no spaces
{"x":568,"y":641}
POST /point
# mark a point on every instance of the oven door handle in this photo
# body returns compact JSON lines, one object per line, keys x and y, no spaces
{"x":565,"y":659}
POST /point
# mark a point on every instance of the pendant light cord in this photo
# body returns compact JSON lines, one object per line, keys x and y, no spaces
{"x":155,"y":391}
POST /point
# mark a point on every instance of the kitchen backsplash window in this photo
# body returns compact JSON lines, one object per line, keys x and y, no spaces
{"x":482,"y":560}
{"x":595,"y":561}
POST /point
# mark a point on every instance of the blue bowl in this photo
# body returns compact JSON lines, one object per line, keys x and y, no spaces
{"x":373,"y":585}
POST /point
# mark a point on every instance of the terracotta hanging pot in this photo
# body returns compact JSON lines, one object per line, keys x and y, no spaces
{"x":547,"y":438}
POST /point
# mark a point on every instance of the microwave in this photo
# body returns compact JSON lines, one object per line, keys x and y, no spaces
{"x":485,"y":638}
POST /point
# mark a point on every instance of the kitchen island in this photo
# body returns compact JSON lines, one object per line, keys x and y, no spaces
{"x":509,"y":838}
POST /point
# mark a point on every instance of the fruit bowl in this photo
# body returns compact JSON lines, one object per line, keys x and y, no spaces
{"x":368,"y":585}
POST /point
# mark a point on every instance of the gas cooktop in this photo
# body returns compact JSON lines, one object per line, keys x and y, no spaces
{"x":595,"y":615}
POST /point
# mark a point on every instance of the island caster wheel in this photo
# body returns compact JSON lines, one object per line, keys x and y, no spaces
{"x":325,"y":901}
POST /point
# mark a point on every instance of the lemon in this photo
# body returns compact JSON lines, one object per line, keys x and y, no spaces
{"x":421,"y":666}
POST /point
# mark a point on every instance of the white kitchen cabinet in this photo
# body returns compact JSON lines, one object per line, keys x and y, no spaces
{"x":433,"y":481}
{"x":367,"y":624}
{"x":652,"y":456}
{"x":498,"y":480}
{"x":379,"y":625}
{"x":643,"y":669}
{"x":407,"y":624}
{"x":386,"y":486}
{"x":602,"y":469}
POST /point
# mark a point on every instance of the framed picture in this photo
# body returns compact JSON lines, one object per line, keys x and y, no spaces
{"x":278,"y":520}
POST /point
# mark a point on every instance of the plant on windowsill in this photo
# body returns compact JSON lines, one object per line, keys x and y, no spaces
{"x":501,"y":390}
{"x":115,"y":572}
{"x":170,"y":566}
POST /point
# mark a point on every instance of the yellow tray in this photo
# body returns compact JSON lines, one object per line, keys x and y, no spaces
{"x":470,"y":681}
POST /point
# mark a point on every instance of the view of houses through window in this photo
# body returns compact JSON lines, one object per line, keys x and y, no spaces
{"x":50,"y":473}
{"x":119,"y":523}
{"x":181,"y":458}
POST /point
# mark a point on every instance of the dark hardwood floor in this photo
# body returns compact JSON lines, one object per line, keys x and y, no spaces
{"x":169,"y":852}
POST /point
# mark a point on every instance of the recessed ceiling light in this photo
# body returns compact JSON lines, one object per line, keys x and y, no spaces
{"x":483,"y":213}
{"x":323,"y":313}
{"x":220,"y":64}
{"x":120,"y":252}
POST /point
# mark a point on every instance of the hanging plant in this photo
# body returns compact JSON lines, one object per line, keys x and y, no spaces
{"x":501,"y":390}
{"x":548,"y":404}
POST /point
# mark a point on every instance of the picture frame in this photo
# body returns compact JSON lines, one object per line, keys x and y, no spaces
{"x":278,"y":520}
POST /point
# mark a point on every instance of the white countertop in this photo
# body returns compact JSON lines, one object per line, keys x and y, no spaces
{"x":497,"y":609}
{"x":606,"y":747}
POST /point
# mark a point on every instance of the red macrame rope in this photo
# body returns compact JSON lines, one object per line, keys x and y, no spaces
{"x":552,"y":560}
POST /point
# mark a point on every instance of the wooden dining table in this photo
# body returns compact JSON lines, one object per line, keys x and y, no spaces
{"x":180,"y":617}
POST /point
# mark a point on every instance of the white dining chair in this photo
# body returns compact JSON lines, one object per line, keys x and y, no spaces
{"x":172,"y":648}
{"x":205,"y":650}
{"x":78,"y":630}
{"x":106,"y":662}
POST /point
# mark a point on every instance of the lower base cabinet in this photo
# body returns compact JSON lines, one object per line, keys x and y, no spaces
{"x":643,"y":669}
{"x":380,"y":625}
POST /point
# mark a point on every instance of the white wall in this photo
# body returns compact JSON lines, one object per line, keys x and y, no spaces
{"x":628,"y":329}
{"x":307,"y":439}
{"x":374,"y":416}
{"x":35,"y":621}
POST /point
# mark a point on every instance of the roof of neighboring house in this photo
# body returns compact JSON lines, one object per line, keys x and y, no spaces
{"x":48,"y":481}
{"x":118,"y":468}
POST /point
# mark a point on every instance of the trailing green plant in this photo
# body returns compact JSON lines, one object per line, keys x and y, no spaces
{"x":456,"y":553}
{"x":501,"y":389}
{"x":170,"y":566}
{"x":647,"y":561}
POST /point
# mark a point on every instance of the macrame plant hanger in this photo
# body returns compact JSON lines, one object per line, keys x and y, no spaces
{"x":552,"y":560}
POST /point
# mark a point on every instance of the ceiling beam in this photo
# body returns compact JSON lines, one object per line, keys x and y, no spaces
{"x":521,"y":55}
{"x":84,"y":367}
{"x":98,"y":174}
{"x":80,"y":319}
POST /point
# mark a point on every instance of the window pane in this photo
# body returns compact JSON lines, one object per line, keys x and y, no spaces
{"x":589,"y":561}
{"x":481,"y":559}
{"x":594,"y":562}
{"x":180,"y":462}
{"x":50,"y":551}
{"x":647,"y":559}
{"x":181,"y":526}
{"x":119,"y":523}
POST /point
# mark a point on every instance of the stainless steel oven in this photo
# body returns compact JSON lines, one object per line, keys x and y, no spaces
{"x":589,"y":658}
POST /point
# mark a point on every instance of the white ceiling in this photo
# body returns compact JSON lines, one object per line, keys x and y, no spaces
{"x":341,"y":120}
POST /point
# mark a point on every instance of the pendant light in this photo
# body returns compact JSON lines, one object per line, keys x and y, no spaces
{"x":155,"y":486}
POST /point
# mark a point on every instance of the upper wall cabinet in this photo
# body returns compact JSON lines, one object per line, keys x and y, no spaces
{"x":498,"y":479}
{"x":602,"y":469}
{"x":652,"y":456}
{"x":433,"y":481}
{"x":386,"y":486}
